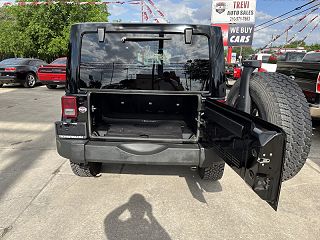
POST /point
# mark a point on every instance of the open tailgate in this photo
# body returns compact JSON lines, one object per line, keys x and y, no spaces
{"x":253,"y":148}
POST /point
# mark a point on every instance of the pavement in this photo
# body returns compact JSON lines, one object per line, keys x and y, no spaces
{"x":40,"y":198}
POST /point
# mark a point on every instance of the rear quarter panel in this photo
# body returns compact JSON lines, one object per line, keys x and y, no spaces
{"x":22,"y":71}
{"x":54,"y":73}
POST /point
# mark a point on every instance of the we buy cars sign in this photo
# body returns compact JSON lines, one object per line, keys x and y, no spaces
{"x":236,"y":19}
{"x":233,"y":11}
{"x":240,"y":34}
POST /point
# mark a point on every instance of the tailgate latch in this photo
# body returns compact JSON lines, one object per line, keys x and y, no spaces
{"x":263,"y":160}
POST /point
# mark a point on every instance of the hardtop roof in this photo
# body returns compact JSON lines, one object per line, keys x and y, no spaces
{"x":142,"y":27}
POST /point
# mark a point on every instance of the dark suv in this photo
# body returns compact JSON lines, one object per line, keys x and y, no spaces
{"x":155,"y":94}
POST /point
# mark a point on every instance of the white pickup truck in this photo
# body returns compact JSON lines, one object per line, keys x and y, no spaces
{"x":264,"y":57}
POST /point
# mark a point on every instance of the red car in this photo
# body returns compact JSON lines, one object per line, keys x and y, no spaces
{"x":53,"y":74}
{"x":233,"y":72}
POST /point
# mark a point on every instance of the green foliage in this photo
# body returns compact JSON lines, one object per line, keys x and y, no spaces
{"x":246,"y":51}
{"x":295,"y":44}
{"x":43,"y":31}
{"x":300,"y":43}
{"x":313,"y":47}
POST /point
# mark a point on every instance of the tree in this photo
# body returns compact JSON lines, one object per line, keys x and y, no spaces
{"x":299,"y":43}
{"x":295,"y":44}
{"x":7,"y":48}
{"x":313,"y":47}
{"x":246,"y":51}
{"x":43,"y":30}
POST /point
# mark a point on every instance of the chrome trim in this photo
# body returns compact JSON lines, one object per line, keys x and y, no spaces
{"x":71,"y":137}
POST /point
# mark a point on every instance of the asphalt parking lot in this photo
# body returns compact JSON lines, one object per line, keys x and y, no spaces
{"x":41,"y":199}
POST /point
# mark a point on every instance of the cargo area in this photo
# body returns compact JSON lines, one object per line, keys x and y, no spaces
{"x":142,"y":116}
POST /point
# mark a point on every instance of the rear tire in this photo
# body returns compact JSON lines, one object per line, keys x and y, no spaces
{"x":279,"y":100}
{"x":30,"y":81}
{"x":89,"y":170}
{"x":51,"y":86}
{"x":212,"y":173}
{"x":1,"y":85}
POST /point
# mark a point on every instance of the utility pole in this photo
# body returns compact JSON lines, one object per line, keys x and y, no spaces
{"x":229,"y":56}
{"x":287,"y":36}
{"x":142,"y":10}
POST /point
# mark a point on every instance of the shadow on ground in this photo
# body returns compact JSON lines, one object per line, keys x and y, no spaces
{"x":17,"y":85}
{"x":134,"y":220}
{"x":58,"y":88}
{"x":19,"y":158}
{"x":316,"y":124}
{"x":23,"y":161}
{"x":196,"y":185}
{"x":315,"y":151}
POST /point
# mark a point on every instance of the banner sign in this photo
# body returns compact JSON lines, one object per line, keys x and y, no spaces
{"x":225,"y":32}
{"x":236,"y":19}
{"x":233,"y":11}
{"x":35,"y":3}
{"x":240,"y":34}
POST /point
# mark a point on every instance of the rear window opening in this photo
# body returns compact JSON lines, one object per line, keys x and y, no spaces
{"x":312,"y":57}
{"x":60,"y":61}
{"x":144,"y":62}
{"x":14,"y":61}
{"x":171,"y":118}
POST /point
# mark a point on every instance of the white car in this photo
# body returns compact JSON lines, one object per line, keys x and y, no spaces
{"x":264,"y":57}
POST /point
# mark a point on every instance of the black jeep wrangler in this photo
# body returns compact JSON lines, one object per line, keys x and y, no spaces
{"x":155,"y":94}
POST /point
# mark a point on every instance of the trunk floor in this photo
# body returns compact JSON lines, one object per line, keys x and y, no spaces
{"x":171,"y":130}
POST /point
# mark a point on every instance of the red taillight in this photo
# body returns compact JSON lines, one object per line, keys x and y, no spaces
{"x":273,"y":59}
{"x":45,"y":70}
{"x":41,"y":70}
{"x":222,"y":101}
{"x":318,"y":84}
{"x":262,"y":70}
{"x":52,"y":70}
{"x":237,"y":72}
{"x":69,"y":107}
{"x":10,"y":69}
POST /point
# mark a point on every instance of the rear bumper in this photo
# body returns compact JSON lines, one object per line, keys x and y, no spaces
{"x":84,"y":151}
{"x":53,"y":82}
{"x":8,"y":79}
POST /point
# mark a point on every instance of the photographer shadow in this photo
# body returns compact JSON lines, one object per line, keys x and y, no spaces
{"x":134,"y":220}
{"x":198,"y":187}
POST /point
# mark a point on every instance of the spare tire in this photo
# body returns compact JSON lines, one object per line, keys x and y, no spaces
{"x":213,"y":173}
{"x":277,"y":99}
{"x":91,"y":169}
